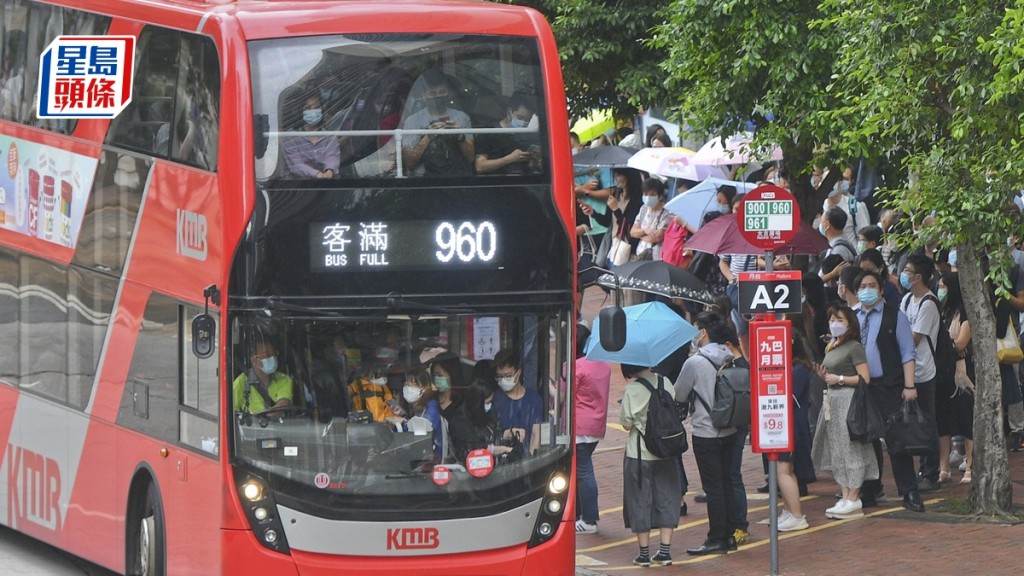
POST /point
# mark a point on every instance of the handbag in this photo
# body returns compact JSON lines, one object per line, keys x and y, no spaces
{"x":601,"y":258}
{"x":909,"y":431}
{"x":620,"y":250}
{"x":864,"y":420}
{"x":1008,"y":347}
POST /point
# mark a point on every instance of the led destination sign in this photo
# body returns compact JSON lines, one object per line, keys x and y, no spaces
{"x":388,"y":245}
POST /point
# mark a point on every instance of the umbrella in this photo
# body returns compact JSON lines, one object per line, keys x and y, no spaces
{"x":722,"y":236}
{"x":653,"y":332}
{"x":657,"y":277}
{"x":604,"y":156}
{"x":673,"y":163}
{"x":738,"y":150}
{"x":597,"y":123}
{"x":695,"y":202}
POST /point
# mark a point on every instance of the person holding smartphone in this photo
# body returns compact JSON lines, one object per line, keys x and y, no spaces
{"x":435,"y":153}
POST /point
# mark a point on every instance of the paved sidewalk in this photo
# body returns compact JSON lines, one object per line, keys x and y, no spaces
{"x":889,"y":541}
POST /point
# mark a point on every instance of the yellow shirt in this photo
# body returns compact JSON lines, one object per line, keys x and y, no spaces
{"x":280,"y":387}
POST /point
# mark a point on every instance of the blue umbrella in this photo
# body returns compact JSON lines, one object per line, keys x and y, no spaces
{"x":653,"y":331}
{"x":697,"y":201}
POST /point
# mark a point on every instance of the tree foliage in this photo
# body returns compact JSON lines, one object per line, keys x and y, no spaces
{"x":606,"y":61}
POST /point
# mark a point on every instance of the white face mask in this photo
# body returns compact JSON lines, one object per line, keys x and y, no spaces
{"x":411,"y":393}
{"x":507,"y":383}
{"x":379,"y":381}
{"x":126,"y":179}
{"x":837,"y":329}
{"x":487,"y":406}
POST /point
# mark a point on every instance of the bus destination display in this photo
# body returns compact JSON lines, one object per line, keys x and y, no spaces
{"x":403,"y":244}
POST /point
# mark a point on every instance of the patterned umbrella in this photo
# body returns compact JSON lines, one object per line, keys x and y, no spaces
{"x":657,"y":277}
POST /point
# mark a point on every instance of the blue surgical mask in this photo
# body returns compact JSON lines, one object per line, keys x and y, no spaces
{"x":517,"y":123}
{"x":952,"y":258}
{"x":868,"y":296}
{"x":442,"y":383}
{"x":861,"y":246}
{"x":724,"y":208}
{"x":268,"y":365}
{"x":942,"y":294}
{"x":844,"y":186}
{"x":650,"y":201}
{"x":312,"y":116}
{"x":821,"y":228}
{"x":905,"y":280}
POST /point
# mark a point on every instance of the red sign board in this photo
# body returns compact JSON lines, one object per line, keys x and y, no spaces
{"x":479,"y":462}
{"x":771,"y":385}
{"x":768,"y":217}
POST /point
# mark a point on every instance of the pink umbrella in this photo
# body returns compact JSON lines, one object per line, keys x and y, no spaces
{"x":673,"y":163}
{"x":737,"y":150}
{"x":722,"y":236}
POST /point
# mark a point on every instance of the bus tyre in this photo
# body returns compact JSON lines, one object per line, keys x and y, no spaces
{"x":146,"y":540}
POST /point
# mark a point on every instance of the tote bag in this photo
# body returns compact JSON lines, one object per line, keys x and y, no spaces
{"x":1008,"y":347}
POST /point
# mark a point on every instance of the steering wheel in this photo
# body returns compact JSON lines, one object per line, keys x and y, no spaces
{"x":282,"y":411}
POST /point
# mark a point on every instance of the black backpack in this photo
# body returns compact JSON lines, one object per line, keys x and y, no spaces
{"x":732,"y":396}
{"x":664,"y":433}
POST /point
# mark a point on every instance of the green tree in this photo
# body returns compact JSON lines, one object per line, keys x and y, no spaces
{"x":937,"y":82}
{"x":731,"y":61}
{"x":606,"y":62}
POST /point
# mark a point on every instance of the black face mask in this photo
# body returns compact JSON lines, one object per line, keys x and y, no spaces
{"x":437,"y":104}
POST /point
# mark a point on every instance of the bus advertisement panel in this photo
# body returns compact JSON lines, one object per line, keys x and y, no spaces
{"x":305,"y":306}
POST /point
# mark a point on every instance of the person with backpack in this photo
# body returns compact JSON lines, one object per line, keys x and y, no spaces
{"x":650,"y":483}
{"x":713,"y":446}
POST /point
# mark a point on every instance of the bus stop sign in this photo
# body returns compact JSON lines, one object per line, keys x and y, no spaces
{"x":769,"y":217}
{"x":770,"y":292}
{"x":771,"y":384}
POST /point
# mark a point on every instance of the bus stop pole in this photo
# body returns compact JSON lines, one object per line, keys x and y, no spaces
{"x":773,"y":470}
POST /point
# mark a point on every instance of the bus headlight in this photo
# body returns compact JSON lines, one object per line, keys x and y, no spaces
{"x":554,"y":506}
{"x":253,"y":490}
{"x":558,"y":484}
{"x":260,"y":513}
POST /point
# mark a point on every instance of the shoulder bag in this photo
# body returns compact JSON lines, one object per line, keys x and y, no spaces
{"x":864,"y":420}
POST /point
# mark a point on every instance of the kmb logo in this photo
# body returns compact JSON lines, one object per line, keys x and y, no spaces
{"x":33,"y":489}
{"x":412,"y":538}
{"x":192,"y":235}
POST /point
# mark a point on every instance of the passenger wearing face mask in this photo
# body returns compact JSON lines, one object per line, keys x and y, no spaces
{"x":507,"y":153}
{"x":262,"y":386}
{"x":315,"y":155}
{"x":418,"y":394}
{"x":652,"y":221}
{"x":370,"y":392}
{"x":519,"y":410}
{"x":591,"y":389}
{"x":437,"y":153}
{"x":891,"y":355}
{"x":857,"y":215}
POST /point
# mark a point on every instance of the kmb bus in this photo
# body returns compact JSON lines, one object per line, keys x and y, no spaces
{"x":206,"y":300}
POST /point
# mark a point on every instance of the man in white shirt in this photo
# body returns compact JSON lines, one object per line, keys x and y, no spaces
{"x":857,"y":215}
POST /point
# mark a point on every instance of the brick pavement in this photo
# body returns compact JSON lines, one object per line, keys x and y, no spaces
{"x":889,"y":541}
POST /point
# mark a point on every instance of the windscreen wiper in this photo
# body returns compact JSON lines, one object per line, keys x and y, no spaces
{"x":395,"y":301}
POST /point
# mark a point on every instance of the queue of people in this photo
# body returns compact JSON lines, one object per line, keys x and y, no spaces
{"x":875,"y":315}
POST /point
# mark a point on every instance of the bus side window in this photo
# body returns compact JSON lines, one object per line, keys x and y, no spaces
{"x":156,"y":74}
{"x":197,"y":111}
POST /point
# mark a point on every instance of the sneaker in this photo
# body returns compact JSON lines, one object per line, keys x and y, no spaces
{"x":642,"y":560}
{"x":741,"y":536}
{"x":963,"y":466}
{"x":850,"y":509}
{"x":781,"y":517}
{"x":839,"y":504}
{"x":660,"y":559}
{"x":701,"y":498}
{"x":585,"y":528}
{"x":793,"y":523}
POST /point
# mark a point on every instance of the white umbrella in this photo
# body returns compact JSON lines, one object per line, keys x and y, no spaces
{"x":695,"y":202}
{"x":673,"y":163}
{"x":737,"y":150}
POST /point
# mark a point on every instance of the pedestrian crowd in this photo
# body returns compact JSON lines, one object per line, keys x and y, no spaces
{"x":880,"y":323}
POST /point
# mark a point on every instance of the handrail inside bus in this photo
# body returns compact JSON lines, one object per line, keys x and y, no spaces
{"x":398,"y":134}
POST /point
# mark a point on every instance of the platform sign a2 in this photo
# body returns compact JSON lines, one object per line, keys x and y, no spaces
{"x":771,"y":375}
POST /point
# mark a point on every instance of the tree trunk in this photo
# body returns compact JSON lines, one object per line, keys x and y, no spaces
{"x":991,"y":493}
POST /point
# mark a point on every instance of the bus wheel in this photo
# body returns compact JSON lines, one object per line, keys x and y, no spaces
{"x":146,"y":537}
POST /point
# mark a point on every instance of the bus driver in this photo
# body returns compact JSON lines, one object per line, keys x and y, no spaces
{"x":262,"y":386}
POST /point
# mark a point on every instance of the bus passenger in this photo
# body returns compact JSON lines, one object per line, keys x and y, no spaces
{"x":313,"y":156}
{"x":330,"y":381}
{"x":419,"y":395}
{"x":519,"y":409}
{"x":505,"y":153}
{"x":480,"y":413}
{"x":262,"y":386}
{"x":370,"y":392}
{"x":437,"y":154}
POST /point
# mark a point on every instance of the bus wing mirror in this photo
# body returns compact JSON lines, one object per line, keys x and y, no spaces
{"x":260,"y":127}
{"x":204,"y":328}
{"x":613,"y":328}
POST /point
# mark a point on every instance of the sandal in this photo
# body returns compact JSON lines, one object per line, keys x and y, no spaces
{"x":967,"y":478}
{"x":943,"y":476}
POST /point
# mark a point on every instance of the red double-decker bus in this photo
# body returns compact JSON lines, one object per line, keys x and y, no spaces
{"x":206,"y":302}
